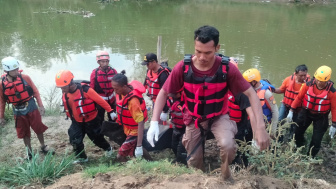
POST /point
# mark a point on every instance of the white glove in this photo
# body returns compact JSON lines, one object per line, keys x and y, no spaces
{"x":164,"y":116}
{"x":332,"y":131}
{"x":113,"y":116}
{"x":138,"y":152}
{"x":290,"y":116}
{"x":255,"y":147}
{"x":152,"y":132}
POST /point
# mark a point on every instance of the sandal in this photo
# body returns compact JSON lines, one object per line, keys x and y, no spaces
{"x":45,"y":149}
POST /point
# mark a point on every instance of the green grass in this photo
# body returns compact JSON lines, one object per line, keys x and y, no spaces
{"x":36,"y":171}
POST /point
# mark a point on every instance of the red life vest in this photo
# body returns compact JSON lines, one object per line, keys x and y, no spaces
{"x":103,"y":84}
{"x":176,"y":113}
{"x":152,"y":82}
{"x":290,"y":93}
{"x":17,"y":92}
{"x":206,"y":97}
{"x":85,"y":107}
{"x":234,"y":110}
{"x":317,"y":103}
{"x":124,"y":115}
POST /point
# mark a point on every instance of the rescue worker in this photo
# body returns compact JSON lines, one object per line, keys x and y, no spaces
{"x":175,"y":104}
{"x":79,"y":102}
{"x":155,"y":78}
{"x":206,"y":79}
{"x":100,"y":81}
{"x":132,"y":115}
{"x":317,"y":98}
{"x":268,"y":103}
{"x":290,"y":88}
{"x":19,"y":90}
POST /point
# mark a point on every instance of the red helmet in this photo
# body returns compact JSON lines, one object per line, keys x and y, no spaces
{"x":102,"y":55}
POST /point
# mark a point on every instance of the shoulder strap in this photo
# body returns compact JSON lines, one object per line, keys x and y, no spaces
{"x":67,"y":102}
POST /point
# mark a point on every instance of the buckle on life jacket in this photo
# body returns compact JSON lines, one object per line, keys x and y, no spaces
{"x":187,"y":58}
{"x":18,"y":95}
{"x":205,"y":87}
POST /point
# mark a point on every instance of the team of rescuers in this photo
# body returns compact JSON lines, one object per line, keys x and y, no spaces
{"x":203,"y":94}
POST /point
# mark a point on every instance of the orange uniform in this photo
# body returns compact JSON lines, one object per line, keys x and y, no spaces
{"x":331,"y":96}
{"x":137,"y":115}
{"x":91,"y":94}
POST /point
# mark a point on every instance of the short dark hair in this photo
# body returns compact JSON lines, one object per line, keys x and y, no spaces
{"x":302,"y":68}
{"x":120,"y":78}
{"x":205,"y":34}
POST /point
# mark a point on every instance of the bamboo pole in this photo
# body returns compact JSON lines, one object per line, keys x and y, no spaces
{"x":159,"y":44}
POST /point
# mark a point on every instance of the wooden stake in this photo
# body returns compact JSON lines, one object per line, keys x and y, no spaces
{"x":158,"y":53}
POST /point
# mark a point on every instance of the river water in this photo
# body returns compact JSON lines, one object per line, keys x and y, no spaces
{"x":50,"y":35}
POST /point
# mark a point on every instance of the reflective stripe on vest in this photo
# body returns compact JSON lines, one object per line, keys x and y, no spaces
{"x":205,"y":97}
{"x":152,"y":82}
{"x":317,"y":103}
{"x":124,"y":115}
{"x":103,"y":85}
{"x":84,"y":107}
{"x":176,"y":113}
{"x":17,"y":92}
{"x":234,"y":110}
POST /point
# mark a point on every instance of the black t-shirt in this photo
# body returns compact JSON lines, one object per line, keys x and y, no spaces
{"x":242,"y":100}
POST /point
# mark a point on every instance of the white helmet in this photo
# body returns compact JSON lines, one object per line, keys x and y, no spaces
{"x":9,"y":63}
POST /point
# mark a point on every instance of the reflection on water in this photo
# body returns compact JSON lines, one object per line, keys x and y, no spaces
{"x":271,"y":37}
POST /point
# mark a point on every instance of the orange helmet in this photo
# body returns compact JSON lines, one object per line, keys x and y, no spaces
{"x":102,"y":55}
{"x":63,"y":78}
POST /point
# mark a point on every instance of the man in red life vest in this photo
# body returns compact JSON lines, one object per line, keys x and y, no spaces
{"x":264,"y":92}
{"x":155,"y":78}
{"x":316,"y":98}
{"x":100,"y":81}
{"x":19,"y":90}
{"x":206,"y":79}
{"x":79,"y":102}
{"x":290,"y":88}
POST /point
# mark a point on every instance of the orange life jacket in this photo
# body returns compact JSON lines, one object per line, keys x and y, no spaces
{"x":152,"y":82}
{"x":290,"y":93}
{"x":85,"y":107}
{"x":124,"y":115}
{"x":16,"y":92}
{"x":234,"y":110}
{"x":320,"y":104}
{"x":103,"y":85}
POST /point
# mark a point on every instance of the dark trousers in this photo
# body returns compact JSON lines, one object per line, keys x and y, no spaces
{"x":77,"y":133}
{"x":163,"y":142}
{"x":177,"y":146}
{"x":244,"y":134}
{"x":283,"y":112}
{"x":320,"y":126}
{"x":101,"y":113}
